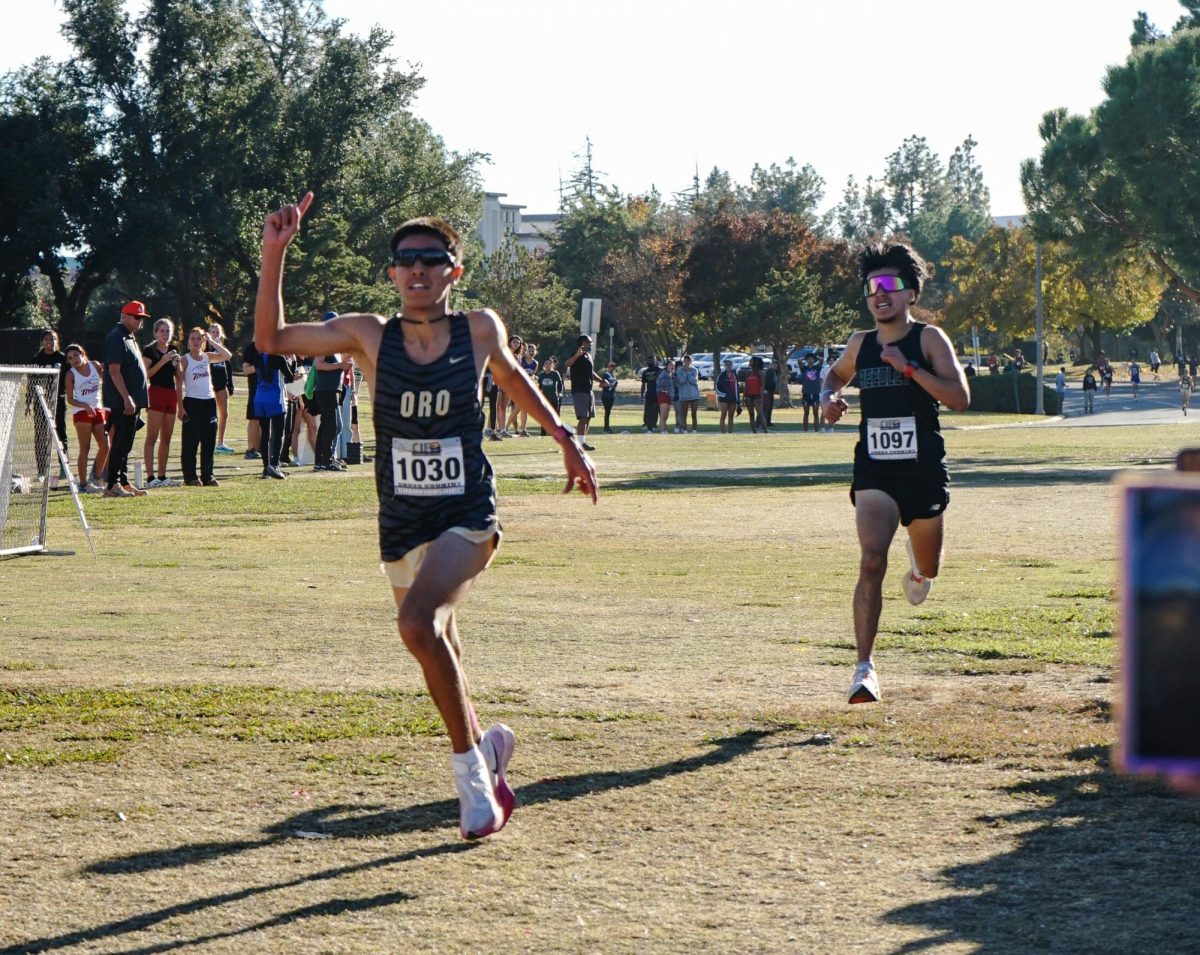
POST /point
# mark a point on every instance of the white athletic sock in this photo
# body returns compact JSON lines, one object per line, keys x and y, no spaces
{"x":462,"y":762}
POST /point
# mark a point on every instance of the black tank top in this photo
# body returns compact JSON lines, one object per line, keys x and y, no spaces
{"x":429,"y":436}
{"x":885,"y":395}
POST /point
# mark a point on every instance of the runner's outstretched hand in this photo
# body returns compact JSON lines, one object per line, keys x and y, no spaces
{"x":580,"y":470}
{"x":282,"y":225}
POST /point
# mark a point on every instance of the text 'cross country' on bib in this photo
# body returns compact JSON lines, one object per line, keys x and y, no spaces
{"x":430,"y":468}
{"x":892,"y":439}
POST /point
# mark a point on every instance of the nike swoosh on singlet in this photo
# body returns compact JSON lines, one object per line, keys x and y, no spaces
{"x":457,"y":359}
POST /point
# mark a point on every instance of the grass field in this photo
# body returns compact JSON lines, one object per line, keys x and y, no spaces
{"x":212,"y":740}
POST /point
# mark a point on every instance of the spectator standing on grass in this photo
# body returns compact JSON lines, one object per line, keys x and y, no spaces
{"x":664,"y":389}
{"x":582,"y":374}
{"x":253,"y":429}
{"x":550,"y":384}
{"x":993,"y":364}
{"x":649,"y":382}
{"x":222,"y":382}
{"x":517,"y":347}
{"x":770,"y":384}
{"x":438,"y":525}
{"x":810,"y":390}
{"x":124,"y":392}
{"x":905,"y":369}
{"x":1089,"y":391}
{"x":163,"y":369}
{"x":198,"y":406}
{"x":270,"y":407}
{"x":752,"y":395}
{"x":82,"y":387}
{"x":49,"y":355}
{"x":687,"y":380}
{"x":491,"y":391}
{"x":608,"y":393}
{"x":329,"y":370}
{"x":529,"y":365}
{"x":728,"y":392}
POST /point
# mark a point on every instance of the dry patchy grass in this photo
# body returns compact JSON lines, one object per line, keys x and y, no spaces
{"x":213,"y":740}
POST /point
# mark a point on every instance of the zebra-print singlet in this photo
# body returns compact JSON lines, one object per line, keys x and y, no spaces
{"x":415,"y":402}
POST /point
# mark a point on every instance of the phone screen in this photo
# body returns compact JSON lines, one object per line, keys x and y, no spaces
{"x":1160,"y":624}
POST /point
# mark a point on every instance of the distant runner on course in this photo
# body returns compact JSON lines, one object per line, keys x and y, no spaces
{"x":905,"y":369}
{"x":438,"y":528}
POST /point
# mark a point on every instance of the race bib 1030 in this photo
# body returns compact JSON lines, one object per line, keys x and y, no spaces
{"x":892,"y":439}
{"x":432,"y":468}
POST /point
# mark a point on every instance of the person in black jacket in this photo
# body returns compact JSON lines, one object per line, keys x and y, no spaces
{"x":650,"y":396}
{"x":49,"y":356}
{"x":728,"y":396}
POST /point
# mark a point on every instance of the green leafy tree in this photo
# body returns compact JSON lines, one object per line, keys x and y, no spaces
{"x":196,"y":116}
{"x":796,"y":190}
{"x":789,"y":308}
{"x":52,"y":137}
{"x":995,"y":282}
{"x":1125,"y":178}
{"x":526,"y":293}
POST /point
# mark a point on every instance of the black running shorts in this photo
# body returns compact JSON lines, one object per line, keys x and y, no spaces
{"x":917,"y":499}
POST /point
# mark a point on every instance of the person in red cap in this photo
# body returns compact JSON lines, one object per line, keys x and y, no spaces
{"x":125,"y":395}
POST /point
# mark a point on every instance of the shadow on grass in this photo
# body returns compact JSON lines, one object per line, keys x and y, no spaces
{"x":992,"y":472}
{"x":347,"y":822}
{"x":1107,"y":867}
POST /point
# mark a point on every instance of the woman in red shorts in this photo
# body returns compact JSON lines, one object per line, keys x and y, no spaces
{"x":82,"y":390}
{"x":162,"y":368}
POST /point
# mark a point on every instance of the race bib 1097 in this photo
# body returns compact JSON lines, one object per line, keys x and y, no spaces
{"x":892,"y":439}
{"x":432,"y":468}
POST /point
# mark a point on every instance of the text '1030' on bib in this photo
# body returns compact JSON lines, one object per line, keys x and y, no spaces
{"x":427,"y":468}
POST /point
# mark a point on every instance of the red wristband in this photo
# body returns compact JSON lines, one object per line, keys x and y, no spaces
{"x":909,"y":370}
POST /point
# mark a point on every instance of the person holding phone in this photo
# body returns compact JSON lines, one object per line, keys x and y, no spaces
{"x":198,"y":407}
{"x":163,"y":370}
{"x":582,"y":373}
{"x":438,"y":524}
{"x":905,"y":370}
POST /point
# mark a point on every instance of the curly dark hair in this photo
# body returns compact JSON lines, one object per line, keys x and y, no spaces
{"x":893,"y":255}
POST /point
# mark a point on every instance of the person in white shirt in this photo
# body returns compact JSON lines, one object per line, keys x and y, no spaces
{"x":198,"y":407}
{"x":82,"y":390}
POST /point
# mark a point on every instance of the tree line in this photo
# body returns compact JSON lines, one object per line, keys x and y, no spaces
{"x":147,"y":160}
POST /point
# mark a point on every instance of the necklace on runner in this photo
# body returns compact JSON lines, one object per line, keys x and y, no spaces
{"x":414,"y":321}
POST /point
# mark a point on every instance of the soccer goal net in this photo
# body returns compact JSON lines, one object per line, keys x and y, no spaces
{"x":28,"y":457}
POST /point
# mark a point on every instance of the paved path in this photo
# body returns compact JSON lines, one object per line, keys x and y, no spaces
{"x":1157,"y":403}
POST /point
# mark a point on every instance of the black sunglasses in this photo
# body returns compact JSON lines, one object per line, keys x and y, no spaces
{"x":427,"y":257}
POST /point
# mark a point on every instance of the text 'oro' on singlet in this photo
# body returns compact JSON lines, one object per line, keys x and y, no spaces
{"x":430,"y":470}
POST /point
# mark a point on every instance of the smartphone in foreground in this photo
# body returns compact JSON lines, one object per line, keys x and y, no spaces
{"x":1159,"y":587}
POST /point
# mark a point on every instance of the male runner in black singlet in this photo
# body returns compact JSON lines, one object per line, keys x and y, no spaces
{"x":438,"y":529}
{"x":905,"y":368}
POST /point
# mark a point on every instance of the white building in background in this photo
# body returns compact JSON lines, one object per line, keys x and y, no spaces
{"x":501,"y":219}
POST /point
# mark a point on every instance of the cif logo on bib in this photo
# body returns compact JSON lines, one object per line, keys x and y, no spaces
{"x":423,"y":404}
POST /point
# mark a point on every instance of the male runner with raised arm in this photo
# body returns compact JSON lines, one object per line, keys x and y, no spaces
{"x":438,"y":528}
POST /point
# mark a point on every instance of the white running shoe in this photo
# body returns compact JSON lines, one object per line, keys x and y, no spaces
{"x":479,"y":814}
{"x":916,"y":587}
{"x":154,"y":482}
{"x":865,"y":688}
{"x":497,"y":747}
